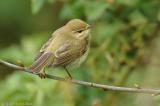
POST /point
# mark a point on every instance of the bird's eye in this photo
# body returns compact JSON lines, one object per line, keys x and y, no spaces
{"x":79,"y":31}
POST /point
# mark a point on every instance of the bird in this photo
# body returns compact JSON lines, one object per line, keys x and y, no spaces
{"x":68,"y":45}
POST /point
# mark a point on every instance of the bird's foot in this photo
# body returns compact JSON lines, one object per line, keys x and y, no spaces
{"x":42,"y":75}
{"x":68,"y":78}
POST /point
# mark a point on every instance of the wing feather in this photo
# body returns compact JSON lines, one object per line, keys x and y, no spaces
{"x":44,"y":47}
{"x":41,"y":62}
{"x":68,"y":54}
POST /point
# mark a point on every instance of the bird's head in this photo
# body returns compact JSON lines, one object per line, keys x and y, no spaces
{"x":78,"y":28}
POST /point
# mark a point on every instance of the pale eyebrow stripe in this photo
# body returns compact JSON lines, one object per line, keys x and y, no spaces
{"x":81,"y":29}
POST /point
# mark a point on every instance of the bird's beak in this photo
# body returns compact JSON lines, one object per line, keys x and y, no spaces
{"x":89,"y":27}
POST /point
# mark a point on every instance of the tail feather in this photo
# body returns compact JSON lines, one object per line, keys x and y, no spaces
{"x":41,"y":62}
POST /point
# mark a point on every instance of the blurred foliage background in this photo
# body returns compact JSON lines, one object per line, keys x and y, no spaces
{"x":125,"y":51}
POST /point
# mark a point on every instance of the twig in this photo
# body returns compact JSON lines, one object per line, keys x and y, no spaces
{"x":84,"y":83}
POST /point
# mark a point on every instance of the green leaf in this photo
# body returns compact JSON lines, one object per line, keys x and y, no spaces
{"x":137,"y":18}
{"x":106,"y":30}
{"x":158,"y":15}
{"x":36,"y":5}
{"x":50,"y":1}
{"x":67,"y":12}
{"x":128,"y":2}
{"x":74,"y":10}
{"x":95,"y":10}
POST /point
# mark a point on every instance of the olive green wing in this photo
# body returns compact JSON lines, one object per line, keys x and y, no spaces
{"x":43,"y":58}
{"x":44,"y":47}
{"x":66,"y":54}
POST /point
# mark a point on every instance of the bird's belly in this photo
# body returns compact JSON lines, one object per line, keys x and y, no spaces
{"x":80,"y":60}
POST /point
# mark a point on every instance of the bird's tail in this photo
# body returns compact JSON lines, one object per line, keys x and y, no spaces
{"x":41,"y":62}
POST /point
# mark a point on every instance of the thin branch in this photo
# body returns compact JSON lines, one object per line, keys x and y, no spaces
{"x":89,"y":84}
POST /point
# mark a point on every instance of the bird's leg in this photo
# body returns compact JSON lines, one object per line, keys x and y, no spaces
{"x":70,"y":77}
{"x":42,"y":74}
